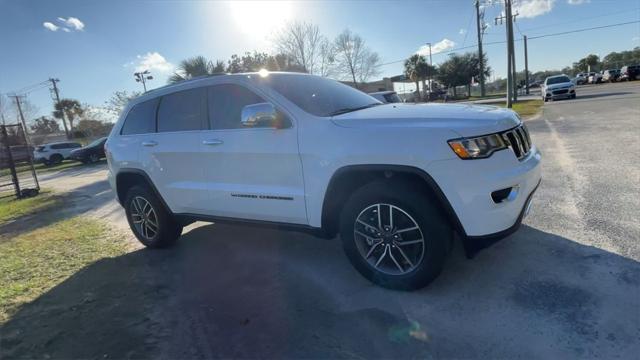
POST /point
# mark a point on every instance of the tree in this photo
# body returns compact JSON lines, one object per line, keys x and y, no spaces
{"x":44,"y":125}
{"x":589,"y":62}
{"x":353,"y":59}
{"x":71,"y":109}
{"x":305,"y":46}
{"x":194,"y":67}
{"x":412,"y":70}
{"x":119,"y":100}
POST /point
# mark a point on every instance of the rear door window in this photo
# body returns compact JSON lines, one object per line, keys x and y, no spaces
{"x":141,"y":118}
{"x":182,"y":111}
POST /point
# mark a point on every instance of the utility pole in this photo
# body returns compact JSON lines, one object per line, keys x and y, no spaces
{"x":24,"y":124}
{"x":511,"y":59}
{"x":57,"y":99}
{"x":430,"y":75}
{"x":480,"y":29}
{"x":526,"y":66}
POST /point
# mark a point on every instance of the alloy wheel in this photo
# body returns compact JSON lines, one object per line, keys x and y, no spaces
{"x":144,"y":217}
{"x":389,"y":239}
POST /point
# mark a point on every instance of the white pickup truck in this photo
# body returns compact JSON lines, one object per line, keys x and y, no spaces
{"x":394,"y":181}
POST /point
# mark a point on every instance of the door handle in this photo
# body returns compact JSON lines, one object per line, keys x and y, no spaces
{"x":212,"y":142}
{"x":149,"y":143}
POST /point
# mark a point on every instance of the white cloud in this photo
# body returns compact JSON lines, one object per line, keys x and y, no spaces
{"x":635,"y":38}
{"x":72,"y":23}
{"x":532,"y":8}
{"x":577,"y":2}
{"x":438,"y":47}
{"x":462,"y":31}
{"x":50,"y":26}
{"x":153,"y":61}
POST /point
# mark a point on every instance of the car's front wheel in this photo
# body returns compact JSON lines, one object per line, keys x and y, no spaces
{"x":395,"y":235}
{"x":151,"y":223}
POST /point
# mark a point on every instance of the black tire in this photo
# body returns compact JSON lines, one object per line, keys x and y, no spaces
{"x":573,"y":96}
{"x":167,"y":229}
{"x":422,"y":209}
{"x":55,"y":159}
{"x":93,"y":158}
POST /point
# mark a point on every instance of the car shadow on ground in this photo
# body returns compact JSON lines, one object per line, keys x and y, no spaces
{"x":239,"y":292}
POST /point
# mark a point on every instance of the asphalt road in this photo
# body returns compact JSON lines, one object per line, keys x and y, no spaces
{"x":566,"y":285}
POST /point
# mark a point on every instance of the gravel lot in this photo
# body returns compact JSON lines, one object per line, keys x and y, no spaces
{"x":566,"y":285}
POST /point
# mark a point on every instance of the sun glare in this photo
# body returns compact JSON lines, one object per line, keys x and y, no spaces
{"x":260,"y":18}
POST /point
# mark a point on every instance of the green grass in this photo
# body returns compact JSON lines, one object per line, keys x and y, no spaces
{"x":12,"y":208}
{"x":34,"y":262}
{"x":527,"y":108}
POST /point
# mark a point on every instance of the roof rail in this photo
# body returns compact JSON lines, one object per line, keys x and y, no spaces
{"x":187,"y":80}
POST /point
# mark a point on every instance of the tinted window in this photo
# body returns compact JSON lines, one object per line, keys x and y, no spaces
{"x":226,"y":103}
{"x":182,"y":111}
{"x":317,"y":95}
{"x":141,"y":119}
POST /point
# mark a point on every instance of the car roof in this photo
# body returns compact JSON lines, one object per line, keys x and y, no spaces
{"x":386,"y":92}
{"x":60,"y":142}
{"x":202,"y":81}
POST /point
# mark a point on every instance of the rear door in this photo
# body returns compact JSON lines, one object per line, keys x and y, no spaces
{"x":171,"y":156}
{"x":251,"y":173}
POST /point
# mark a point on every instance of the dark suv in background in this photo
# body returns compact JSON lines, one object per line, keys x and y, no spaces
{"x":630,"y":72}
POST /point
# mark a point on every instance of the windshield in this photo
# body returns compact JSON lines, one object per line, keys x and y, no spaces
{"x":96,"y":142}
{"x":319,"y":96}
{"x":557,"y":80}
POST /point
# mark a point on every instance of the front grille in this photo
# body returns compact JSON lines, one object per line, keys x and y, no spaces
{"x":518,"y":140}
{"x":560,"y":92}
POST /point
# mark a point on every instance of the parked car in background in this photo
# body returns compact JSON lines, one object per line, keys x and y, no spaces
{"x":54,"y":153}
{"x":630,"y":72}
{"x":386,"y":96}
{"x":557,"y":87}
{"x":304,"y":151}
{"x":595,"y":77}
{"x":91,"y":153}
{"x":582,"y":78}
{"x":611,"y":75}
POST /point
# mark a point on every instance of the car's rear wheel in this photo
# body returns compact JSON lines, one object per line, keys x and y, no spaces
{"x":395,"y":235}
{"x":55,"y":159}
{"x":149,"y":220}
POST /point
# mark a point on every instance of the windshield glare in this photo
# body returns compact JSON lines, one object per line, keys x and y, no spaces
{"x":317,"y":95}
{"x":557,"y":80}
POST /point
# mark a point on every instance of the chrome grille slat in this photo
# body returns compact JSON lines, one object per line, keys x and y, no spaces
{"x":518,"y":140}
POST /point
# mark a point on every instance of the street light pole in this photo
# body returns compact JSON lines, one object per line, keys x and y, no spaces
{"x":142,"y":76}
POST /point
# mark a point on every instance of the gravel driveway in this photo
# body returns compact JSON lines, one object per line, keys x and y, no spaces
{"x":566,"y":285}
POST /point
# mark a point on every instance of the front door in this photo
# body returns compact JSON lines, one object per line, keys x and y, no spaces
{"x":251,"y":173}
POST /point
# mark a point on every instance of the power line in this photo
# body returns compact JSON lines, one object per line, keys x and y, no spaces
{"x":577,"y":20}
{"x":530,"y":38}
{"x":585,"y":29}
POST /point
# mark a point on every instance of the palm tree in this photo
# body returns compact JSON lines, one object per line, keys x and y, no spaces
{"x":415,"y":69}
{"x":71,"y":109}
{"x":194,"y":67}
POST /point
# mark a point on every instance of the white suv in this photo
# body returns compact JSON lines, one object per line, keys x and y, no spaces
{"x":54,"y":153}
{"x":395,"y":181}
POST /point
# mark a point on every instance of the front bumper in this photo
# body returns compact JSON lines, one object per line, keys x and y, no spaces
{"x":553,"y":95}
{"x":468,"y":186}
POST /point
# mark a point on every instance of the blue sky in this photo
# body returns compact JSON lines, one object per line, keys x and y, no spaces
{"x":94,"y":47}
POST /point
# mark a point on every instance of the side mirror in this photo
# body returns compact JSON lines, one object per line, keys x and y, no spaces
{"x":260,"y":114}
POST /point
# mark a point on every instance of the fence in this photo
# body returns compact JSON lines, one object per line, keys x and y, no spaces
{"x":17,"y":174}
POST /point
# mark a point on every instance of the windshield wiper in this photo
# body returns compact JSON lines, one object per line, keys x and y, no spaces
{"x":348,"y":110}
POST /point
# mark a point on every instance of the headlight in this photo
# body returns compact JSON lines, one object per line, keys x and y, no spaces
{"x":477,"y":148}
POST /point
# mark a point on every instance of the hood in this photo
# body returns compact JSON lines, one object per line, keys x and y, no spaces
{"x":465,"y":119}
